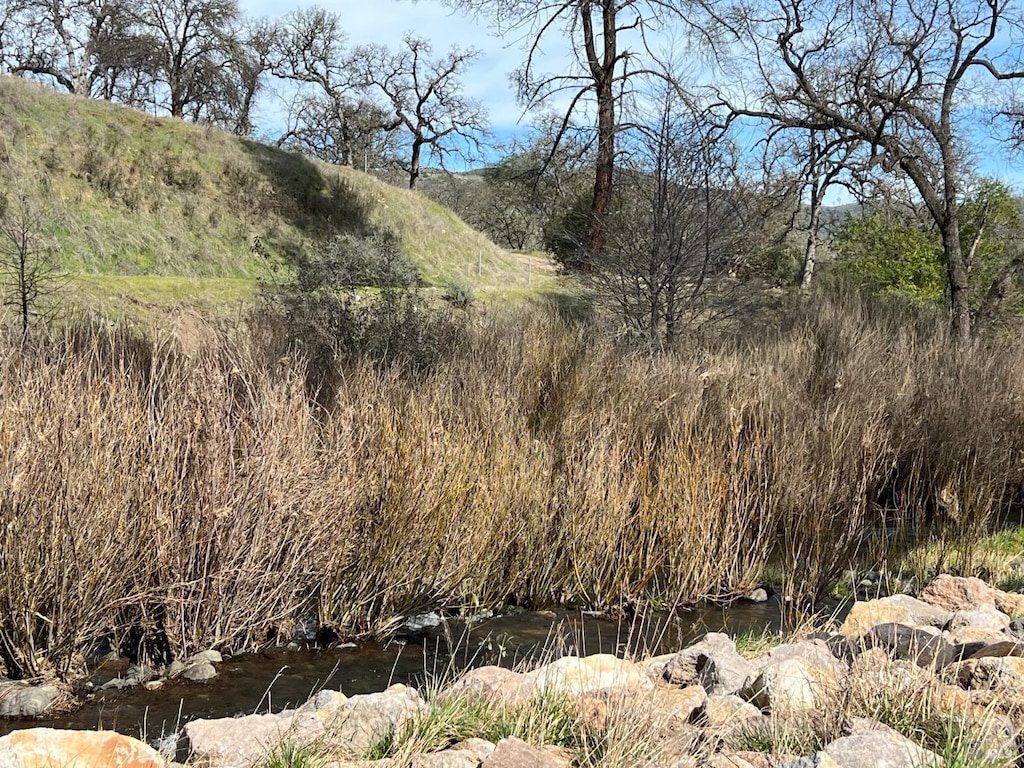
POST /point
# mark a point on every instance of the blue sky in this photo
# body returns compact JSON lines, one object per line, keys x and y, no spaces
{"x":387,"y":22}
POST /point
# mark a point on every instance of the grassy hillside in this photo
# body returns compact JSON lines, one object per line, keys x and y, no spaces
{"x":124,"y":195}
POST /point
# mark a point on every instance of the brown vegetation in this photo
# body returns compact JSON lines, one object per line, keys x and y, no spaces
{"x":177,"y":502}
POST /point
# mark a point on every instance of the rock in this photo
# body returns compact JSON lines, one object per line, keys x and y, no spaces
{"x":712,"y":663}
{"x":1002,"y":648}
{"x":449,"y":758}
{"x":727,"y":709}
{"x":925,"y":646}
{"x":1010,"y":603}
{"x":117,"y":683}
{"x":204,"y":670}
{"x":574,"y":675}
{"x":791,"y":685}
{"x":19,"y":699}
{"x":487,"y":684}
{"x":211,"y":656}
{"x":363,"y":720}
{"x":759,"y":595}
{"x":820,"y":760}
{"x":514,"y":753}
{"x":983,"y":617}
{"x":234,"y":742}
{"x":898,"y":609}
{"x":879,"y":749}
{"x":662,"y":705}
{"x":958,"y":593}
{"x":48,"y":747}
{"x":324,"y":701}
{"x":995,"y":673}
{"x":816,"y":652}
{"x":655,"y":665}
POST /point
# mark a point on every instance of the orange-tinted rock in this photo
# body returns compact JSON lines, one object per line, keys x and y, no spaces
{"x":48,"y":747}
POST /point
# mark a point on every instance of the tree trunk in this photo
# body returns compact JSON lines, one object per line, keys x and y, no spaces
{"x":811,"y":251}
{"x":414,"y":163}
{"x":603,"y":73}
{"x":956,"y":271}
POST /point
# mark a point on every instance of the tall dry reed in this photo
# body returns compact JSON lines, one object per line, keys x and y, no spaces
{"x":170,"y":502}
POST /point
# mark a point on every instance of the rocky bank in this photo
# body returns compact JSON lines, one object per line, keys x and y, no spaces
{"x":945,"y":667}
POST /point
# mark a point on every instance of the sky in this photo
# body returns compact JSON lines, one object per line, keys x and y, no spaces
{"x":387,"y":21}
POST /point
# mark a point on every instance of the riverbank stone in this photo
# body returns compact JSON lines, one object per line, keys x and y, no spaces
{"x":576,"y":675}
{"x":52,"y":748}
{"x":879,"y":749}
{"x":897,"y":609}
{"x":712,"y":663}
{"x":515,"y":753}
{"x":19,"y":699}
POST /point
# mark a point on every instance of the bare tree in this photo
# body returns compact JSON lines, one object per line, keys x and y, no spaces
{"x":63,"y":41}
{"x":30,"y":279}
{"x":425,"y":98}
{"x":909,"y":79}
{"x":602,"y":70}
{"x":682,"y":220}
{"x":193,"y":42}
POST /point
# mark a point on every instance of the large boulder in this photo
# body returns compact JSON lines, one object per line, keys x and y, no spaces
{"x":897,"y":609}
{"x":792,"y":685}
{"x":50,"y":748}
{"x":488,"y":684}
{"x":925,"y":646}
{"x":713,"y":663}
{"x":574,"y":675}
{"x":235,"y":742}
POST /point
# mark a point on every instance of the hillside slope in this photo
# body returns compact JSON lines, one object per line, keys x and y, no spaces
{"x":122,"y":193}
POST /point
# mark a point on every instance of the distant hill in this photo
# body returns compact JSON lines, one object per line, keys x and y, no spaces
{"x":131,"y":202}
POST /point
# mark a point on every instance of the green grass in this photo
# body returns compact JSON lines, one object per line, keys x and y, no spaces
{"x":125,"y":194}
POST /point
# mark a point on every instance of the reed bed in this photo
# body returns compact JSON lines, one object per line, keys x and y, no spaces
{"x":168,"y":502}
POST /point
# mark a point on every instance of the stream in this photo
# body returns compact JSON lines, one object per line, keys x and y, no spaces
{"x":279,"y":678}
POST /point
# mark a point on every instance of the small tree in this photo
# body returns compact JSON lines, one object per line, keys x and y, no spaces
{"x":425,"y":98}
{"x":30,"y":280}
{"x":681,"y":222}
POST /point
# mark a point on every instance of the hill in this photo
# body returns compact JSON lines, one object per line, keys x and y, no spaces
{"x":131,"y":204}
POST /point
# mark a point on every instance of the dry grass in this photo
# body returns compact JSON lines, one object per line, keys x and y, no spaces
{"x":178,"y":502}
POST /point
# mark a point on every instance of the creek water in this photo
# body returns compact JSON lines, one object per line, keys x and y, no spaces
{"x":278,"y":678}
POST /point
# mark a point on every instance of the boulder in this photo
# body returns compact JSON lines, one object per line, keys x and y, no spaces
{"x":19,"y":699}
{"x":958,"y":593}
{"x":362,"y":720}
{"x":515,"y":753}
{"x":487,"y":684}
{"x":449,"y":758}
{"x":47,"y":748}
{"x":995,"y":673}
{"x":982,"y":617}
{"x":925,"y":646}
{"x":712,"y":663}
{"x":235,"y":742}
{"x":721,"y":710}
{"x":204,"y":670}
{"x":574,"y":675}
{"x":879,"y":749}
{"x":791,"y":685}
{"x":898,"y":609}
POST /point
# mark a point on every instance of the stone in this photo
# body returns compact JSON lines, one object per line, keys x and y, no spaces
{"x":728,"y":758}
{"x":234,"y":742}
{"x":363,"y":720}
{"x":574,"y":675}
{"x":1010,"y":603}
{"x":925,"y":646}
{"x":48,"y":747}
{"x":759,"y":595}
{"x":324,"y":701}
{"x":449,"y":758}
{"x":487,"y":684}
{"x":515,"y":753}
{"x":712,"y":663}
{"x":19,"y":699}
{"x":995,"y":673}
{"x":791,"y":685}
{"x":958,"y":593}
{"x":879,"y":749}
{"x":211,"y":656}
{"x":1001,"y":648}
{"x":983,"y":617}
{"x":898,"y":609}
{"x":820,"y":760}
{"x":204,"y":670}
{"x":727,"y":709}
